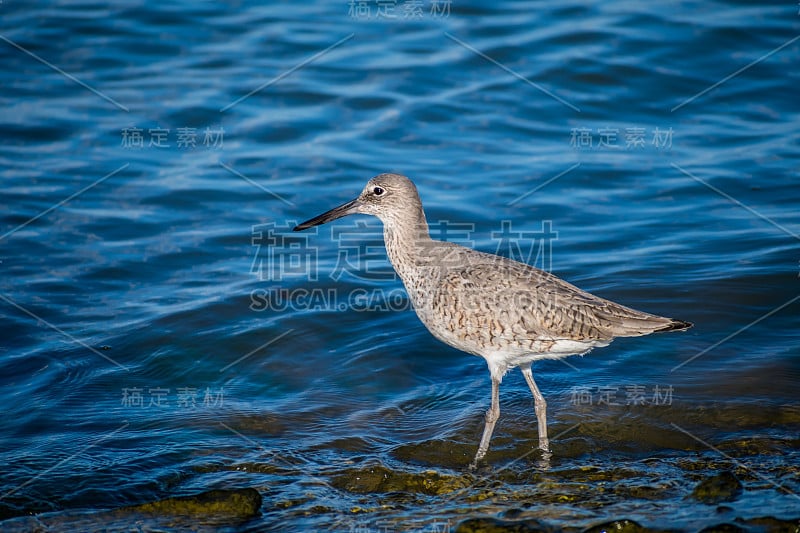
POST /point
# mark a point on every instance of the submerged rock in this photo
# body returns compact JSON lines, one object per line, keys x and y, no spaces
{"x":495,"y":525}
{"x":207,"y":511}
{"x":723,"y":487}
{"x":771,"y":524}
{"x":619,"y":526}
{"x":239,"y":503}
{"x":723,"y":528}
{"x":382,"y":480}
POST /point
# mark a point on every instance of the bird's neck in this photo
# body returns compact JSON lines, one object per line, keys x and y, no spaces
{"x":407,"y":241}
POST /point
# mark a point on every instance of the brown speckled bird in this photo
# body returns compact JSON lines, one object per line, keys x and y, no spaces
{"x":507,"y":312}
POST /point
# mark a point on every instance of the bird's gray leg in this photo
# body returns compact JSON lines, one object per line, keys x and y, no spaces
{"x":491,"y":419}
{"x":540,"y":406}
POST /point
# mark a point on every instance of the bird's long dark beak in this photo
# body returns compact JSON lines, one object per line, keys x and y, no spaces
{"x":343,"y":210}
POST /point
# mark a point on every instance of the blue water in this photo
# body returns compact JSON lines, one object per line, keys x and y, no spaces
{"x":155,"y":157}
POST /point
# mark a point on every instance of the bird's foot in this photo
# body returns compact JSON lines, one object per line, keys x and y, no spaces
{"x":544,"y":444}
{"x":478,"y":457}
{"x":543,"y":462}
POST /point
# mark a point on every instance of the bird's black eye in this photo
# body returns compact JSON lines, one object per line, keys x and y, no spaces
{"x":377,"y":191}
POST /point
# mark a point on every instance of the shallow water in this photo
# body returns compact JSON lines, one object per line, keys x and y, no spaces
{"x":163,"y":332}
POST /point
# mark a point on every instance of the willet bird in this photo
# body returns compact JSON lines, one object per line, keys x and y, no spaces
{"x":507,"y":312}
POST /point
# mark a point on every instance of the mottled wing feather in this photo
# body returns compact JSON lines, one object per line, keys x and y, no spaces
{"x":534,"y":304}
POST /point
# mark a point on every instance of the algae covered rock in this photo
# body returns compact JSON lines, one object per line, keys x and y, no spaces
{"x":495,"y":525}
{"x":723,"y":487}
{"x":238,"y":503}
{"x":771,"y":524}
{"x":207,"y":511}
{"x":379,"y":479}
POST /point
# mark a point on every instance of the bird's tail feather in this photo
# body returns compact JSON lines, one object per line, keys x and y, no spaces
{"x":675,"y":325}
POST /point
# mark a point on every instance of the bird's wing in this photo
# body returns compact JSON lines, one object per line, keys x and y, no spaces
{"x":536,"y":304}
